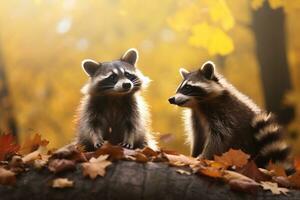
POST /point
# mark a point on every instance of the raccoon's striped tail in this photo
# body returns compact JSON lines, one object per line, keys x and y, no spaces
{"x":270,"y":143}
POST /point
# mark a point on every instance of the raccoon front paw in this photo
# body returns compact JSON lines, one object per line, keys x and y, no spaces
{"x":126,"y":145}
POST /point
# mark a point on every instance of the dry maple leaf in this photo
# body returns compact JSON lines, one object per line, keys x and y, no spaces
{"x":62,"y":183}
{"x":181,"y":171}
{"x":32,"y":144}
{"x":147,"y":151}
{"x":210,"y":171}
{"x":180,"y":160}
{"x":96,"y":166}
{"x":244,"y":185}
{"x":71,"y":152}
{"x":139,"y":157}
{"x":59,"y":165}
{"x":250,"y":170}
{"x":233,"y":158}
{"x":277,"y":169}
{"x":115,"y":152}
{"x":7,"y":177}
{"x":37,"y":154}
{"x":7,"y":146}
{"x":295,"y":180}
{"x":273,"y":187}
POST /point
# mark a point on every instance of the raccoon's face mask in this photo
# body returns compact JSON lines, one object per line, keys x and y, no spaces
{"x":197,"y":86}
{"x":120,"y":77}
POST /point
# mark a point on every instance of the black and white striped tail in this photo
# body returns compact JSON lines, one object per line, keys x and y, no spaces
{"x":270,"y":143}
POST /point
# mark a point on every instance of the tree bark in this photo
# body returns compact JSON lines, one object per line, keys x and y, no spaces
{"x":8,"y":122}
{"x":269,"y":32}
{"x":129,"y":180}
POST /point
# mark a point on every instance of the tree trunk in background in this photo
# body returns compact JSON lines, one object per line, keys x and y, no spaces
{"x":7,"y":120}
{"x":269,"y":32}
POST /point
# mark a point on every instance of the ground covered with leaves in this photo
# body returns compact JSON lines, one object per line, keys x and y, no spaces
{"x":233,"y":167}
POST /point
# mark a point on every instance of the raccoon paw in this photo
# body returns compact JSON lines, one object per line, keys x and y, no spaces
{"x":126,"y":145}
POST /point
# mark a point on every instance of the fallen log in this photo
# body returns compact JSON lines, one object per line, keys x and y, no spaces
{"x":129,"y":180}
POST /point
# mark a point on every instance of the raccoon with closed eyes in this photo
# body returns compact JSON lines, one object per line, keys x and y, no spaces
{"x":219,"y":117}
{"x":112,"y":108}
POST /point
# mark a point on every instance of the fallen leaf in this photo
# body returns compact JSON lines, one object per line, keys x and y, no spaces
{"x":7,"y":146}
{"x":251,"y":170}
{"x":282,"y":181}
{"x":297,"y":163}
{"x":139,"y":157}
{"x":295,"y":180}
{"x":62,"y":183}
{"x":16,"y":164}
{"x":244,"y":185}
{"x":210,"y":171}
{"x":59,"y":165}
{"x":273,"y":187}
{"x":96,"y":166}
{"x":32,"y":144}
{"x":7,"y":177}
{"x":71,"y":152}
{"x":115,"y":152}
{"x":233,"y":158}
{"x":147,"y":151}
{"x":37,"y":154}
{"x":180,"y":160}
{"x":181,"y":171}
{"x":277,"y":169}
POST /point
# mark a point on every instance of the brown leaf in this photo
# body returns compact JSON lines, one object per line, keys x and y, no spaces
{"x":147,"y":151}
{"x":37,"y":154}
{"x":141,"y":158}
{"x":297,"y":163}
{"x":180,"y":160}
{"x":16,"y":164}
{"x":96,"y":166}
{"x":70,"y":152}
{"x":250,"y":170}
{"x":295,"y":180}
{"x":59,"y":165}
{"x":210,"y":171}
{"x":233,"y":158}
{"x":244,"y":185}
{"x":115,"y":152}
{"x":181,"y":171}
{"x":7,"y":177}
{"x":277,"y":169}
{"x":282,"y":181}
{"x":273,"y":187}
{"x":7,"y":146}
{"x":32,"y":144}
{"x":62,"y":183}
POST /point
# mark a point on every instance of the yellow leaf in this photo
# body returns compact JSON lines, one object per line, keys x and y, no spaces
{"x":220,"y":12}
{"x":215,"y":40}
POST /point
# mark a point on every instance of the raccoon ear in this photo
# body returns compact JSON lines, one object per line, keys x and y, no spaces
{"x":208,"y":69}
{"x":183,"y":72}
{"x":131,"y":56}
{"x":90,"y":67}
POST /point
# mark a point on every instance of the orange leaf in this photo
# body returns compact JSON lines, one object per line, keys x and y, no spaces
{"x":277,"y":169}
{"x":295,"y":180}
{"x":115,"y":152}
{"x":7,"y":177}
{"x":250,"y":170}
{"x":233,"y":158}
{"x":32,"y":144}
{"x":7,"y":146}
{"x":96,"y":166}
{"x":211,"y":172}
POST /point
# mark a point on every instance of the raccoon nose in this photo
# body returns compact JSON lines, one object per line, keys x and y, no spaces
{"x":172,"y":100}
{"x":126,"y":86}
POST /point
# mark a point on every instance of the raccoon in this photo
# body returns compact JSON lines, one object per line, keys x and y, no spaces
{"x":218,"y":117}
{"x":112,"y":108}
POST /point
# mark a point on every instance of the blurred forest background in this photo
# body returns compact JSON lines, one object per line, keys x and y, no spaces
{"x":255,"y":44}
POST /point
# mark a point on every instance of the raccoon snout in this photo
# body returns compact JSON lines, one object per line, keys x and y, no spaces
{"x":172,"y":100}
{"x":126,"y":86}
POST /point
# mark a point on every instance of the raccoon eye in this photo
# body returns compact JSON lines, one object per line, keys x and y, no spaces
{"x":112,"y":77}
{"x":128,"y":75}
{"x":187,"y":87}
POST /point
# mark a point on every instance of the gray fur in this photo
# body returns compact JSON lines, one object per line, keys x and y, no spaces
{"x":219,"y":117}
{"x":111,"y":112}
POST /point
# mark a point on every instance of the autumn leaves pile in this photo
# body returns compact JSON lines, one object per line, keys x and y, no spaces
{"x":233,"y":167}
